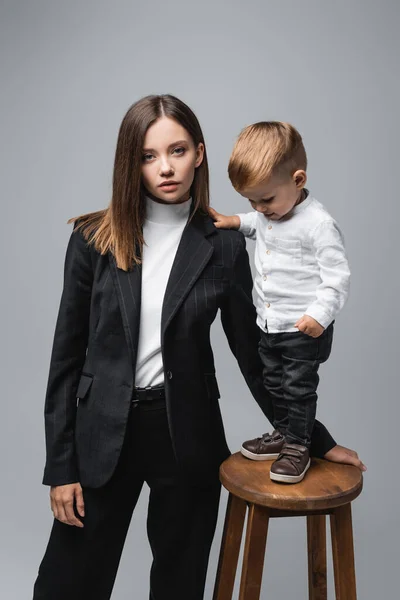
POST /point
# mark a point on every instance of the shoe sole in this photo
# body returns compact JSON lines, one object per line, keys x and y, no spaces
{"x":253,"y":456}
{"x":290,"y":478}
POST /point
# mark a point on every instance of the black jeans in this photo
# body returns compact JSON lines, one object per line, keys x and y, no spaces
{"x":291,"y":362}
{"x":81,"y":564}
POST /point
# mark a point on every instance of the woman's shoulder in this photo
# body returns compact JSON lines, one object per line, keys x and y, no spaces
{"x":223,"y":235}
{"x":87,"y":224}
{"x":85,"y":228}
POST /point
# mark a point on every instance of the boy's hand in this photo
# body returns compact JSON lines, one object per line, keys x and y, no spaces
{"x":222,"y":221}
{"x":309,"y":326}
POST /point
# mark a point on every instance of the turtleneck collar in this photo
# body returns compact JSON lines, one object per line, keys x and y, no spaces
{"x":167,"y":214}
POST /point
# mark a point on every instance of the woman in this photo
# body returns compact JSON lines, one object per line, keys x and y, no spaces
{"x":144,"y":280}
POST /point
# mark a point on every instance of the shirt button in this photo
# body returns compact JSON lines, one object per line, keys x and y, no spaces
{"x":267,"y":304}
{"x":268,"y":251}
{"x":269,"y":226}
{"x":265,"y":277}
{"x":169,"y":374}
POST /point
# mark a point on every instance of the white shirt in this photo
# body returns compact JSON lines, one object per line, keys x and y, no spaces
{"x":162,"y":232}
{"x":301,"y":266}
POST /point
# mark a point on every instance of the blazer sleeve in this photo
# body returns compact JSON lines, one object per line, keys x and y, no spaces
{"x":238,"y":316}
{"x":66,"y":363}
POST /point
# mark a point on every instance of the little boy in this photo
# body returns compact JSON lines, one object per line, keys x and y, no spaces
{"x":301,"y":284}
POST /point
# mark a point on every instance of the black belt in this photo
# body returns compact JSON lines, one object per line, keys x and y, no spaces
{"x":148,"y":394}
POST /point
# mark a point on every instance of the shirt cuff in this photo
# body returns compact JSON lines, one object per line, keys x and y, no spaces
{"x":319,"y":314}
{"x":246,"y":223}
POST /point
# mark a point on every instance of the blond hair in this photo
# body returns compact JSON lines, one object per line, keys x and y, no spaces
{"x":264,"y":149}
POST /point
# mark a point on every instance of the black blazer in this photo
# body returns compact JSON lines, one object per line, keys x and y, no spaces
{"x":92,"y":368}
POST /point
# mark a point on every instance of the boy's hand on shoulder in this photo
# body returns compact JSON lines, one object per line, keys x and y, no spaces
{"x":223,"y":221}
{"x":309,"y":326}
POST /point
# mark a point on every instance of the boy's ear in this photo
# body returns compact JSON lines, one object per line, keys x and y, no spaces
{"x":300,"y":179}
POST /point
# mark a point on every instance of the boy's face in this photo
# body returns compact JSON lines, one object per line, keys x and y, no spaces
{"x":275,"y":197}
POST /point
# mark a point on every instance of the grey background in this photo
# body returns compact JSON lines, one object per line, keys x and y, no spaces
{"x":69,"y":72}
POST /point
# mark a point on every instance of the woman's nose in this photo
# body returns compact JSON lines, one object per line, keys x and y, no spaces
{"x":165,"y":167}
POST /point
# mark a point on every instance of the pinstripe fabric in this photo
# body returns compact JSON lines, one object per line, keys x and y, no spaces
{"x":95,"y":348}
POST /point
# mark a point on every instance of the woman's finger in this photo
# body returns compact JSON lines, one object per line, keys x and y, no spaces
{"x":60,"y":513}
{"x":70,"y":515}
{"x":80,"y":504}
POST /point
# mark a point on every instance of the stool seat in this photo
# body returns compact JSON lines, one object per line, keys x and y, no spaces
{"x":326,"y":485}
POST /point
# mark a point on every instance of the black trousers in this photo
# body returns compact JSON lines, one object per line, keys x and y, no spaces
{"x":82,"y":563}
{"x":291,"y":362}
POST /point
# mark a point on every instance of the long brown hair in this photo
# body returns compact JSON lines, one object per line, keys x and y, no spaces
{"x":119,"y":228}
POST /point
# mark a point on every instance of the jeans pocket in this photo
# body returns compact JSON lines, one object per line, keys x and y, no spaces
{"x":325,"y":344}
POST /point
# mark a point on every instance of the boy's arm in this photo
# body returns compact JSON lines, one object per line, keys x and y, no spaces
{"x":244,"y":222}
{"x":333,"y":290}
{"x":248,"y":224}
{"x":238,"y":316}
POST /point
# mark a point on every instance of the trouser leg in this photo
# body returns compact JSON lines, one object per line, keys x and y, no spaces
{"x":302,"y":355}
{"x":181,"y":520}
{"x":181,"y":526}
{"x":82,"y":563}
{"x":272,"y":379}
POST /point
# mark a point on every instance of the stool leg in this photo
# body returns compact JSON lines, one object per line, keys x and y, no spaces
{"x":230,"y":548}
{"x":254,"y":552}
{"x":316,"y":542}
{"x":343,"y":553}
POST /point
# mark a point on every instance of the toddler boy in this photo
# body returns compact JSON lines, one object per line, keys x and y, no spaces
{"x":301,"y":284}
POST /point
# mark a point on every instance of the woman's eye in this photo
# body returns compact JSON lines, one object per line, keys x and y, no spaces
{"x":147,"y":157}
{"x":178,"y":151}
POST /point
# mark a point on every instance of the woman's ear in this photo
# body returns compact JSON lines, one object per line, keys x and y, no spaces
{"x":199,"y":155}
{"x":300,"y":179}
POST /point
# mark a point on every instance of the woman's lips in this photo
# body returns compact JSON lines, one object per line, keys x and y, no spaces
{"x":169,"y":187}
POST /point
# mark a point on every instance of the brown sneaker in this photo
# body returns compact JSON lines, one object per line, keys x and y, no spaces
{"x":292,"y":464}
{"x":266,"y":447}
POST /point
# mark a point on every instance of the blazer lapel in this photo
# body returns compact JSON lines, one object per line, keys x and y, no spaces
{"x":194,"y":252}
{"x":129,"y":290}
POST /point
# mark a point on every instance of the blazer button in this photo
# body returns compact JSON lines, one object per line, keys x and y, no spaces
{"x":169,"y":374}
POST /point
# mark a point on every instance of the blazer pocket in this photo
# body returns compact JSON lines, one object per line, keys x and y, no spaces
{"x":212,"y":386}
{"x":84,"y":385}
{"x":212,"y":272}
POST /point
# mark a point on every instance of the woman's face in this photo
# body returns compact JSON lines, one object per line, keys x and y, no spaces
{"x":169,"y":160}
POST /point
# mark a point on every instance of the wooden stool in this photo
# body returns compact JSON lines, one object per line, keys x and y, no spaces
{"x":327,"y":489}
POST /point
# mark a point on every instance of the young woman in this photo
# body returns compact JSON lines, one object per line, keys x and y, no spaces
{"x":143,"y":282}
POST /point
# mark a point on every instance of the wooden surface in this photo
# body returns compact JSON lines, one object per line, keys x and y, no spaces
{"x":326,"y":485}
{"x":343,"y":553}
{"x":230,"y":548}
{"x":316,"y":545}
{"x":254,"y":552}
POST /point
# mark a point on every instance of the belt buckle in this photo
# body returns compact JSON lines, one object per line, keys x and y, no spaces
{"x":141,"y":394}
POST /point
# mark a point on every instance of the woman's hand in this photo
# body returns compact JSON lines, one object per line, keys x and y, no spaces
{"x":62,"y":500}
{"x":340,"y":454}
{"x":222,"y":221}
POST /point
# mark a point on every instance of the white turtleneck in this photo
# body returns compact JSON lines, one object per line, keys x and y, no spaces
{"x":162,"y":232}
